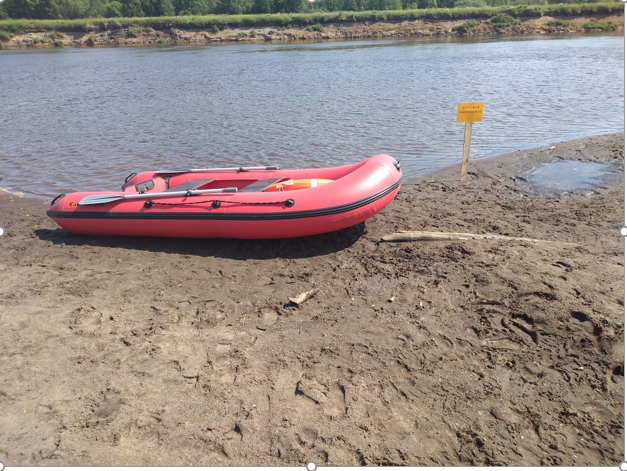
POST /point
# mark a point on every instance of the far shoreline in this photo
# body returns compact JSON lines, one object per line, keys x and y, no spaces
{"x":446,"y":38}
{"x":276,"y":29}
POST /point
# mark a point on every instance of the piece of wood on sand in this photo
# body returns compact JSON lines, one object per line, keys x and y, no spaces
{"x":408,"y":236}
{"x":302,"y":297}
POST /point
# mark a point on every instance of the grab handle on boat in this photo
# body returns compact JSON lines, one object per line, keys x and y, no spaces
{"x":127,"y":179}
{"x":397,"y":164}
{"x":57,"y":199}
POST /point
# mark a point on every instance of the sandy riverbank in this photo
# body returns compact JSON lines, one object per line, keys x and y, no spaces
{"x":119,"y":35}
{"x":177,"y":352}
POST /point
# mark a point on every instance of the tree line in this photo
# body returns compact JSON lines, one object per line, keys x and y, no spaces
{"x":74,"y":9}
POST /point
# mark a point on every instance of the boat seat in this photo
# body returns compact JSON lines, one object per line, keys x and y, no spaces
{"x":190,"y":185}
{"x":261,"y":185}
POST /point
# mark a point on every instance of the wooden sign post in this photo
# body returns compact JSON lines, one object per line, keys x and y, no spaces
{"x":468,"y":113}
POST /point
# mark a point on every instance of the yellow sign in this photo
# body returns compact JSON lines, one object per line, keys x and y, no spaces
{"x":469,"y":112}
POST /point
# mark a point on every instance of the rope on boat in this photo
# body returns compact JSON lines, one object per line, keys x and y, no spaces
{"x":216,"y":203}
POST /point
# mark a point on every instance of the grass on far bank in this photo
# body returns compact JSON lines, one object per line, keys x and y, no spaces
{"x":307,"y":19}
{"x":591,"y":25}
{"x":465,"y":26}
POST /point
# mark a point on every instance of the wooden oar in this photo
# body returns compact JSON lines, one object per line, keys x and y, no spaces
{"x":408,"y":236}
{"x":232,"y":169}
{"x":100,"y":199}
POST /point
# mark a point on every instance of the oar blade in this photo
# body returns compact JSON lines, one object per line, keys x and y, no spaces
{"x":99,"y":199}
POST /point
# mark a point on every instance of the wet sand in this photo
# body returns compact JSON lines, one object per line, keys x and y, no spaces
{"x":140,"y":351}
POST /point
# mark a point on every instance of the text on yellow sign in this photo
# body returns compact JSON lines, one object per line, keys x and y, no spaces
{"x":469,"y":112}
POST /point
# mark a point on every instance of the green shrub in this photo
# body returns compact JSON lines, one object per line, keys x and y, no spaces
{"x":317,"y":27}
{"x":502,"y":21}
{"x":602,"y":26}
{"x":528,"y":2}
{"x":240,"y":36}
{"x":148,"y":29}
{"x":5,"y":35}
{"x":36,"y":40}
{"x":134,"y":32}
{"x":58,"y":43}
{"x":252,"y":33}
{"x":271,"y":32}
{"x":558,"y":23}
{"x":470,"y":3}
{"x":56,"y":35}
{"x":162,"y":41}
{"x":92,"y":37}
{"x":464,"y":27}
{"x":216,"y":29}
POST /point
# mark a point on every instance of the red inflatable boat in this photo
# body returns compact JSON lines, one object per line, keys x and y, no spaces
{"x":240,"y":203}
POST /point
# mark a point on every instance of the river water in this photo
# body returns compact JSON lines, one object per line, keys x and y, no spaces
{"x":83,"y":119}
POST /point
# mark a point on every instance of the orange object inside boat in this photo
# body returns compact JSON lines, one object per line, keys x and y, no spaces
{"x":290,"y":185}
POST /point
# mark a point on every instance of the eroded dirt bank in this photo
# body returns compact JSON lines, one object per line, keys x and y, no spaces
{"x":142,"y":351}
{"x":119,"y":36}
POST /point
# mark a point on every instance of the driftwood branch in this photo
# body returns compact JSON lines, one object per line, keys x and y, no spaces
{"x":302,"y":297}
{"x":407,"y":236}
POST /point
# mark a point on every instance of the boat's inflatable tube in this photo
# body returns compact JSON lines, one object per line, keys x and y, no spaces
{"x":182,"y":204}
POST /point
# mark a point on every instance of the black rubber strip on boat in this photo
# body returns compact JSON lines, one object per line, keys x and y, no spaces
{"x":310,"y":213}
